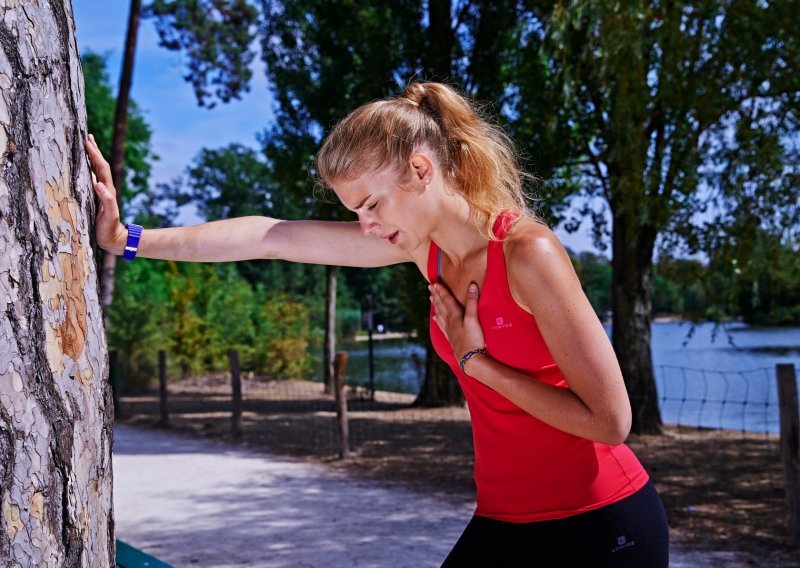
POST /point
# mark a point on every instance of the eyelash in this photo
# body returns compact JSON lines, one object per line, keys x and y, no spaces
{"x":373,"y":206}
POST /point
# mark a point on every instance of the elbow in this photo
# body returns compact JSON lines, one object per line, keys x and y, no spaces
{"x":619,"y":427}
{"x":271,"y":235}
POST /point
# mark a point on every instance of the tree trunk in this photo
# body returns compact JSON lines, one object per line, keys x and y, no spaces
{"x":438,"y":57}
{"x":440,"y":387}
{"x":118,"y":144}
{"x":56,"y":409}
{"x":330,"y":328}
{"x":632,"y":286}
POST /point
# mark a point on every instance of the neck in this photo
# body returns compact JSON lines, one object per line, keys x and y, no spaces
{"x":456,"y":233}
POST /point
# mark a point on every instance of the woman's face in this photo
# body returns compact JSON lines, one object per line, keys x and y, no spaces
{"x":390,"y":207}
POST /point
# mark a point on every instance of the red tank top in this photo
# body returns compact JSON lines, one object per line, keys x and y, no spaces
{"x":526,"y":470}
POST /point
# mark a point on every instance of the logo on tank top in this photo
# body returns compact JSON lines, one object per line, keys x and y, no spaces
{"x":500,"y":323}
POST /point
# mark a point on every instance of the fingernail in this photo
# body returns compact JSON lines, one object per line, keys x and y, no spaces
{"x":473,"y":287}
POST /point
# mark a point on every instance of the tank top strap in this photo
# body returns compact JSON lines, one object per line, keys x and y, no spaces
{"x":502,"y":225}
{"x":434,"y":260}
{"x":501,"y":228}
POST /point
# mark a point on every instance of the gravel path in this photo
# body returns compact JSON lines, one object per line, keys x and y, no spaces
{"x":197,"y":502}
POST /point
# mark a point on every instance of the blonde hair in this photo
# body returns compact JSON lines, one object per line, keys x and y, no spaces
{"x":478,"y":158}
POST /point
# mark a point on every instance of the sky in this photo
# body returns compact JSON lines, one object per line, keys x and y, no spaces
{"x":180,"y":127}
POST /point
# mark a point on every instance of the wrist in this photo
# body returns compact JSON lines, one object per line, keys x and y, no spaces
{"x":117,"y":245}
{"x":469,"y":355}
{"x":132,"y":242}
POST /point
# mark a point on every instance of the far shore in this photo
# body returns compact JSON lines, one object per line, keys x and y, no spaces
{"x":387,"y":335}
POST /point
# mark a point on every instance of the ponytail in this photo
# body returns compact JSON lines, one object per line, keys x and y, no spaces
{"x":478,"y":158}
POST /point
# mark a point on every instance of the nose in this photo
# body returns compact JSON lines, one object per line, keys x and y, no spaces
{"x":368,"y":226}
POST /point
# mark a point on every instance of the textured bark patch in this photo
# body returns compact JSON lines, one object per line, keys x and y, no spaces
{"x":63,"y":281}
{"x":13,"y":521}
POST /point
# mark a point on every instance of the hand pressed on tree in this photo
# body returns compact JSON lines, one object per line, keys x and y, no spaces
{"x":111,"y":234}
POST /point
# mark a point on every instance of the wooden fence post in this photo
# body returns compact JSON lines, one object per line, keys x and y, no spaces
{"x":339,"y":364}
{"x":162,"y":388}
{"x":790,"y":445}
{"x":236,"y":385}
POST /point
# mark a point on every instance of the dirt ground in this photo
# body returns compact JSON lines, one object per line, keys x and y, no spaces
{"x":723,"y":490}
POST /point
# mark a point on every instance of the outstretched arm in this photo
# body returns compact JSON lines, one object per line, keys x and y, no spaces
{"x":242,"y":238}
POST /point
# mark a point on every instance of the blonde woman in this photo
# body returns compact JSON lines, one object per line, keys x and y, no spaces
{"x":435,"y":184}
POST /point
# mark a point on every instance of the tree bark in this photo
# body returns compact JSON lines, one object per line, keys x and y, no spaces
{"x":438,"y":60}
{"x":632,"y":300}
{"x":440,"y":387}
{"x":118,"y":144}
{"x":56,"y":409}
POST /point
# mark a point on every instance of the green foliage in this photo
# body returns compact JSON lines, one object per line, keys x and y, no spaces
{"x":233,"y":317}
{"x":198,"y":313}
{"x":285,"y":331}
{"x":230,"y":182}
{"x":759,"y":279}
{"x":218,"y":34}
{"x":681,"y":288}
{"x":136,"y":320}
{"x":188,"y":330}
{"x":100,"y":108}
{"x":594,"y":272}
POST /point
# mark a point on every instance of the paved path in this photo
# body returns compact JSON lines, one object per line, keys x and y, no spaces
{"x":195,"y":502}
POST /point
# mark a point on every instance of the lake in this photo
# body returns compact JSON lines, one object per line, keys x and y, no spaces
{"x":718,"y":379}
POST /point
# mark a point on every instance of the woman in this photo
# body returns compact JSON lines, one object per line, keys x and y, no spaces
{"x":434,"y":184}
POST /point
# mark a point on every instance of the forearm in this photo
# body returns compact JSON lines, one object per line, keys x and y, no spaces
{"x":556,"y":406}
{"x":241,"y":238}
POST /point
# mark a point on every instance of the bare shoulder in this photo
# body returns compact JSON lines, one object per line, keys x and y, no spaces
{"x":536,"y":261}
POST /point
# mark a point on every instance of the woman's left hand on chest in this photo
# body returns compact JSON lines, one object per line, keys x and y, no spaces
{"x":460,"y":325}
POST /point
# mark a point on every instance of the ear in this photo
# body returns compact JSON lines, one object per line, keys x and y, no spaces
{"x":422,"y":169}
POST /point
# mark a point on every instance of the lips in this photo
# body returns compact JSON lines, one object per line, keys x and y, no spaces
{"x":393,"y":237}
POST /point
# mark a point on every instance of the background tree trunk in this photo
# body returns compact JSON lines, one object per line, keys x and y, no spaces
{"x":632,"y":301}
{"x":118,"y":144}
{"x":56,"y":410}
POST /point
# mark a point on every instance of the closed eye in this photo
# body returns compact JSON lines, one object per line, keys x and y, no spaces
{"x":373,"y":206}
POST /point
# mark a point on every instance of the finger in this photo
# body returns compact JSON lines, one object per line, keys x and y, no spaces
{"x":99,"y":163}
{"x":440,"y":296}
{"x":105,"y":194}
{"x":447,"y":299}
{"x":438,"y":309}
{"x":471,"y":308}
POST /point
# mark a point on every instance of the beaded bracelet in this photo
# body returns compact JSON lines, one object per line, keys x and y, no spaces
{"x":470,"y":355}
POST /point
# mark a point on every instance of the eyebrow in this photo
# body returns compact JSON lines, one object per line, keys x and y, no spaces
{"x":360,"y":205}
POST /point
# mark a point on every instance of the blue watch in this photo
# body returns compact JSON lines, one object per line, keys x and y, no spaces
{"x":132,"y":246}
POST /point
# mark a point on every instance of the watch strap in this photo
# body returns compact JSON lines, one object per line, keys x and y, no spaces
{"x":132,"y":246}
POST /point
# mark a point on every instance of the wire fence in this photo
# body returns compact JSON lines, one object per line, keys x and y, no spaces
{"x":717,"y":462}
{"x":731,"y":400}
{"x":743,"y":402}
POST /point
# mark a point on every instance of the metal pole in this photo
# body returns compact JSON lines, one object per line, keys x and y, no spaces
{"x":371,"y":365}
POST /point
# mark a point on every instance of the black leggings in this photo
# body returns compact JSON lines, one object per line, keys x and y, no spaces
{"x":631,"y":532}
